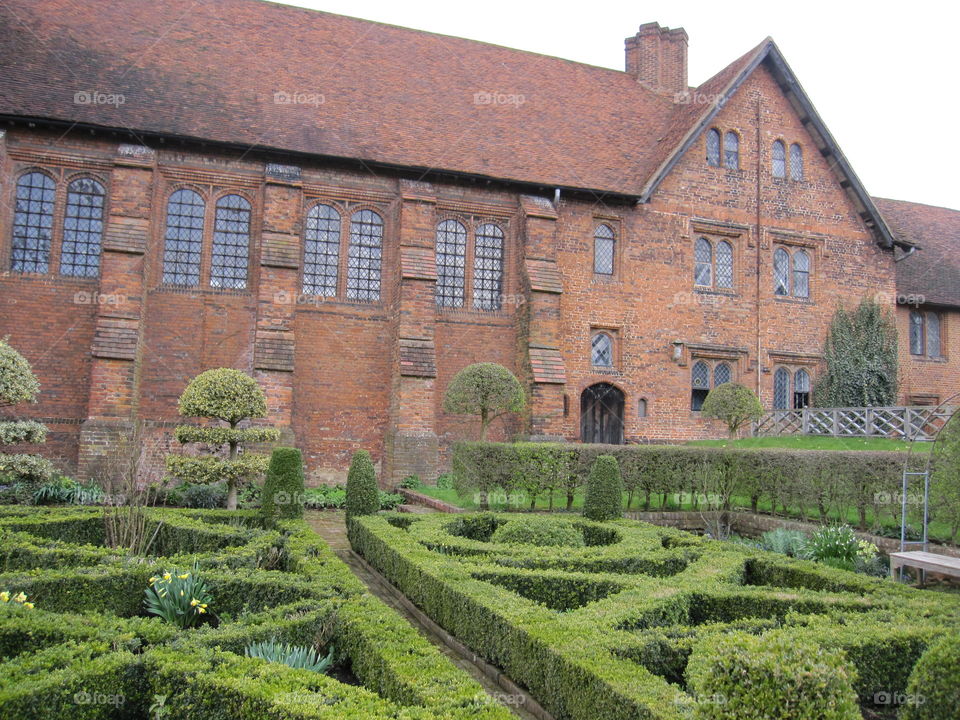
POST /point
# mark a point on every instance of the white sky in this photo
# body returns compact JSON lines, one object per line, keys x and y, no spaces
{"x":883,"y":75}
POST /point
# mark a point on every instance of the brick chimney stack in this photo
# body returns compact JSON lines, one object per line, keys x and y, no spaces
{"x":657,"y":57}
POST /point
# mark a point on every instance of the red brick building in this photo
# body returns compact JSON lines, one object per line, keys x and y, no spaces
{"x":352,"y":212}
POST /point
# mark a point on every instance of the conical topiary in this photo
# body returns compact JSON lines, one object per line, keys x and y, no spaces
{"x":363,"y":495}
{"x":604,"y":500}
{"x":282,"y":497}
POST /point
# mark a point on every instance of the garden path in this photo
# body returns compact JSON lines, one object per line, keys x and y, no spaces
{"x":330,"y":526}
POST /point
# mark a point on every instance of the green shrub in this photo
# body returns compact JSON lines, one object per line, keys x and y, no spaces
{"x":743,"y":677}
{"x":18,"y":385}
{"x":538,"y":531}
{"x":67,"y":491}
{"x":839,"y":543}
{"x":783,"y":541}
{"x":412,"y":481}
{"x":933,"y":691}
{"x":299,"y":657}
{"x":734,"y":404}
{"x":283,"y":490}
{"x":485,"y":389}
{"x":362,"y":491}
{"x":604,"y":499}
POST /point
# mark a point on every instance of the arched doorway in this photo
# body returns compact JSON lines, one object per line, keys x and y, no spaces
{"x":601,"y":414}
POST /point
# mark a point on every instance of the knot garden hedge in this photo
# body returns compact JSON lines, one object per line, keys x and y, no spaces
{"x":88,"y":651}
{"x":607,"y":630}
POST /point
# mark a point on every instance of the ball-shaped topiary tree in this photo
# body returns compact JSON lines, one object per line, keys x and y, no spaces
{"x":18,"y":385}
{"x":229,"y":396}
{"x":743,"y":677}
{"x":363,"y":495}
{"x":283,"y":490}
{"x":485,"y":389}
{"x":734,"y":404}
{"x":934,"y":686}
{"x":604,"y":499}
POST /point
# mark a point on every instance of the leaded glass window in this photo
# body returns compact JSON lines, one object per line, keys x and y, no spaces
{"x":82,"y":229}
{"x":365,"y":256}
{"x":779,"y":159}
{"x":801,"y":274}
{"x":933,"y":334}
{"x":781,"y":389}
{"x":781,"y":272}
{"x":731,"y":151}
{"x":602,"y":350}
{"x":801,"y":389}
{"x":603,"y":246}
{"x":703,"y":268}
{"x":724,"y":264}
{"x":488,"y":268}
{"x":796,"y":162}
{"x":451,"y":263}
{"x":721,"y":374}
{"x":700,"y":384}
{"x":916,"y":333}
{"x":183,"y":239}
{"x":32,"y":224}
{"x":713,"y":147}
{"x":321,"y":251}
{"x":231,"y":243}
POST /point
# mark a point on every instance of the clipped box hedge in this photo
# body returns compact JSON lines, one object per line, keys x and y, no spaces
{"x":88,"y":651}
{"x":606,"y":631}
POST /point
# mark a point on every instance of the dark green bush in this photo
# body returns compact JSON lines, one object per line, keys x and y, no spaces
{"x":604,"y":500}
{"x":362,"y":491}
{"x":283,"y":490}
{"x":538,"y":531}
{"x":933,"y":691}
{"x":743,"y":677}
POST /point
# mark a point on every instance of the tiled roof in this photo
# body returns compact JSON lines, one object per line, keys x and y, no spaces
{"x":934,"y":270}
{"x":212,"y":69}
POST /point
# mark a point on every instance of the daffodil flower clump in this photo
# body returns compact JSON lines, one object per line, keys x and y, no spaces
{"x":19,"y":599}
{"x":178,"y":597}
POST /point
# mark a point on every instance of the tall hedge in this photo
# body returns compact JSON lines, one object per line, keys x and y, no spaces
{"x":604,"y":500}
{"x":283,"y":490}
{"x":933,"y":691}
{"x":791,"y":481}
{"x":363,"y":496}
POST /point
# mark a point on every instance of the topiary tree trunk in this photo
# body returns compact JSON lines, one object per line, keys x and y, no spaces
{"x":604,"y":500}
{"x":363,"y":495}
{"x":282,"y":497}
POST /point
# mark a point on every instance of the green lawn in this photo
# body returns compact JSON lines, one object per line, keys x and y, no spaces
{"x":814,"y":442}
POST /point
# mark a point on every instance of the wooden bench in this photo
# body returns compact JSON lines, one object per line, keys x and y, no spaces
{"x":928,"y":562}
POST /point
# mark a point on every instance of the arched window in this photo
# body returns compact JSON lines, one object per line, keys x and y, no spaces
{"x":781,"y":389}
{"x":933,"y":334}
{"x":82,"y":229}
{"x":700,"y":384}
{"x":32,"y":224}
{"x":779,"y":159}
{"x":642,"y":407}
{"x":603,"y":246}
{"x":925,"y":333}
{"x":801,"y":274}
{"x":703,"y":267}
{"x":731,"y":151}
{"x":321,"y":251}
{"x":183,"y":239}
{"x":796,"y":162}
{"x":724,"y":264}
{"x":231,"y":243}
{"x":364,"y":256}
{"x":601,"y":353}
{"x":488,"y":267}
{"x":781,"y":272}
{"x":713,"y":147}
{"x":916,"y":332}
{"x":801,"y":389}
{"x":451,"y":263}
{"x":721,"y":374}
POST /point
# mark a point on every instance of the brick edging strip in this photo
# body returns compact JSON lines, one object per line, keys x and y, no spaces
{"x":432,"y":502}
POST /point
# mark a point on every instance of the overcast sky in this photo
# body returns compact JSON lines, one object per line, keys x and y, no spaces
{"x":882,"y":75}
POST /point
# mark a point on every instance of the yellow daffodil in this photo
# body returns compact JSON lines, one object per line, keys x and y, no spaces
{"x":20,"y":598}
{"x":167,"y":576}
{"x":181,"y":593}
{"x":184,"y":576}
{"x":194,"y":602}
{"x":201,"y":611}
{"x":28,"y":606}
{"x":153,"y":580}
{"x":4,"y":596}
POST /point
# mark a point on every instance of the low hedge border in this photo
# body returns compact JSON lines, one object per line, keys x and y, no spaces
{"x":87,"y":624}
{"x":588,"y":661}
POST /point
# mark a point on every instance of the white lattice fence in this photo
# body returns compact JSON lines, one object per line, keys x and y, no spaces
{"x":921,"y":423}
